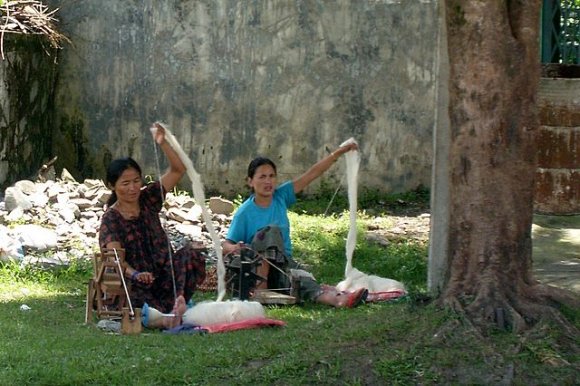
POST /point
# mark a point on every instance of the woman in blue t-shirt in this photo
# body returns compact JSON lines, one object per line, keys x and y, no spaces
{"x":262,"y":222}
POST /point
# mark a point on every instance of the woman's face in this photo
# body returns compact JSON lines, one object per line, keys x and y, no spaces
{"x":128,"y":186}
{"x":264,"y":181}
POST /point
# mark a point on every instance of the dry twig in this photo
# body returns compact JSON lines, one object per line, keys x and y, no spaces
{"x":29,"y":17}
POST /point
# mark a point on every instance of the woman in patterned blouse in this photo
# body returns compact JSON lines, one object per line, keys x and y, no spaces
{"x":131,"y":222}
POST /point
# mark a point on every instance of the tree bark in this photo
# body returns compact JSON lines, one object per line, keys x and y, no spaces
{"x":494,"y":76}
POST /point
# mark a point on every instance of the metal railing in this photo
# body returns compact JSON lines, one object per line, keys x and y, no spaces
{"x":561,"y":31}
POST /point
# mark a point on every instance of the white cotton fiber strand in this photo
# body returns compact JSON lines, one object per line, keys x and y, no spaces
{"x":357,"y":279}
{"x":352,"y":165}
{"x":199,"y":196}
{"x":207,"y":313}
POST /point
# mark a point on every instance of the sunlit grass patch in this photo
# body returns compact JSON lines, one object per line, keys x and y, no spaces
{"x":18,"y":282}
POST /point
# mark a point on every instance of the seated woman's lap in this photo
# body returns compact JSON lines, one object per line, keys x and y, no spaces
{"x":189,"y":267}
{"x":269,"y":237}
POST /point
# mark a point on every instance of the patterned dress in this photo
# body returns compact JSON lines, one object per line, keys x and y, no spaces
{"x":146,"y":250}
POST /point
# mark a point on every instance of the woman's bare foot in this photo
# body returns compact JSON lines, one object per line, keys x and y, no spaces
{"x":336,"y":298}
{"x":175,"y":318}
{"x":352,"y":299}
{"x":180,"y":306}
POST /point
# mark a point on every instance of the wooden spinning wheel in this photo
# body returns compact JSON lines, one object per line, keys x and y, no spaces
{"x":106,"y":296}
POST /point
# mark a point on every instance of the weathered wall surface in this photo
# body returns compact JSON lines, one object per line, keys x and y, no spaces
{"x":27,"y":77}
{"x":233,"y":79}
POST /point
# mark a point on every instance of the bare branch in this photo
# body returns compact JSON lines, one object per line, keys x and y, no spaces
{"x":29,"y":17}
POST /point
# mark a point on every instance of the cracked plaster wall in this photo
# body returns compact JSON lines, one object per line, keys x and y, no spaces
{"x":236,"y":79}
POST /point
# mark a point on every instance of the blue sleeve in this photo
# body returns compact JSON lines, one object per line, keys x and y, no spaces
{"x":286,"y":192}
{"x":236,"y":232}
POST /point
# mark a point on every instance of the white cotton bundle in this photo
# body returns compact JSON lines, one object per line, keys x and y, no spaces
{"x":357,"y":279}
{"x":210,"y":312}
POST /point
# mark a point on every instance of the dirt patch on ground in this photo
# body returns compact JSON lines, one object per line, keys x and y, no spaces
{"x":399,"y":228}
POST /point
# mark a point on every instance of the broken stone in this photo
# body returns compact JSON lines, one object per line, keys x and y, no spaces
{"x":14,"y":198}
{"x":219,"y":205}
{"x":67,"y":177}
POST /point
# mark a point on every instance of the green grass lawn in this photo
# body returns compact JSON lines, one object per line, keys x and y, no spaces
{"x":404,"y":342}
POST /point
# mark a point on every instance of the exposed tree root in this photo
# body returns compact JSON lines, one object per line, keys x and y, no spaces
{"x":493,"y":308}
{"x":454,"y":304}
{"x":557,"y":295}
{"x":536,"y":325}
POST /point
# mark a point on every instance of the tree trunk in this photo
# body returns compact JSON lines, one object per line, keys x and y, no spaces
{"x":494,"y":76}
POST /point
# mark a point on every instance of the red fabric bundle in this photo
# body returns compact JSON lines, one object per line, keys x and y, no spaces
{"x":384,"y":296}
{"x":243,"y":325}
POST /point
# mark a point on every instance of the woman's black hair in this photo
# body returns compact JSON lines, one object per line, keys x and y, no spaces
{"x":114,"y":171}
{"x":257,"y":162}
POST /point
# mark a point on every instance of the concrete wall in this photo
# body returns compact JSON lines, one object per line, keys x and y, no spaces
{"x":233,"y":79}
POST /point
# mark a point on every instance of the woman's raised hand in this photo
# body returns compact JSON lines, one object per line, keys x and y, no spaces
{"x":158,"y":132}
{"x":349,"y":146}
{"x":345,"y":148}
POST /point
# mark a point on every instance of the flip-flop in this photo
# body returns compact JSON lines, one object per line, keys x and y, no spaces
{"x":357,"y":297}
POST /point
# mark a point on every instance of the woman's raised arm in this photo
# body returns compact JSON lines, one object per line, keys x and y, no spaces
{"x":316,"y":170}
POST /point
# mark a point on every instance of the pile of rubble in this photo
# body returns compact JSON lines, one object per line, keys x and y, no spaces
{"x":55,"y":221}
